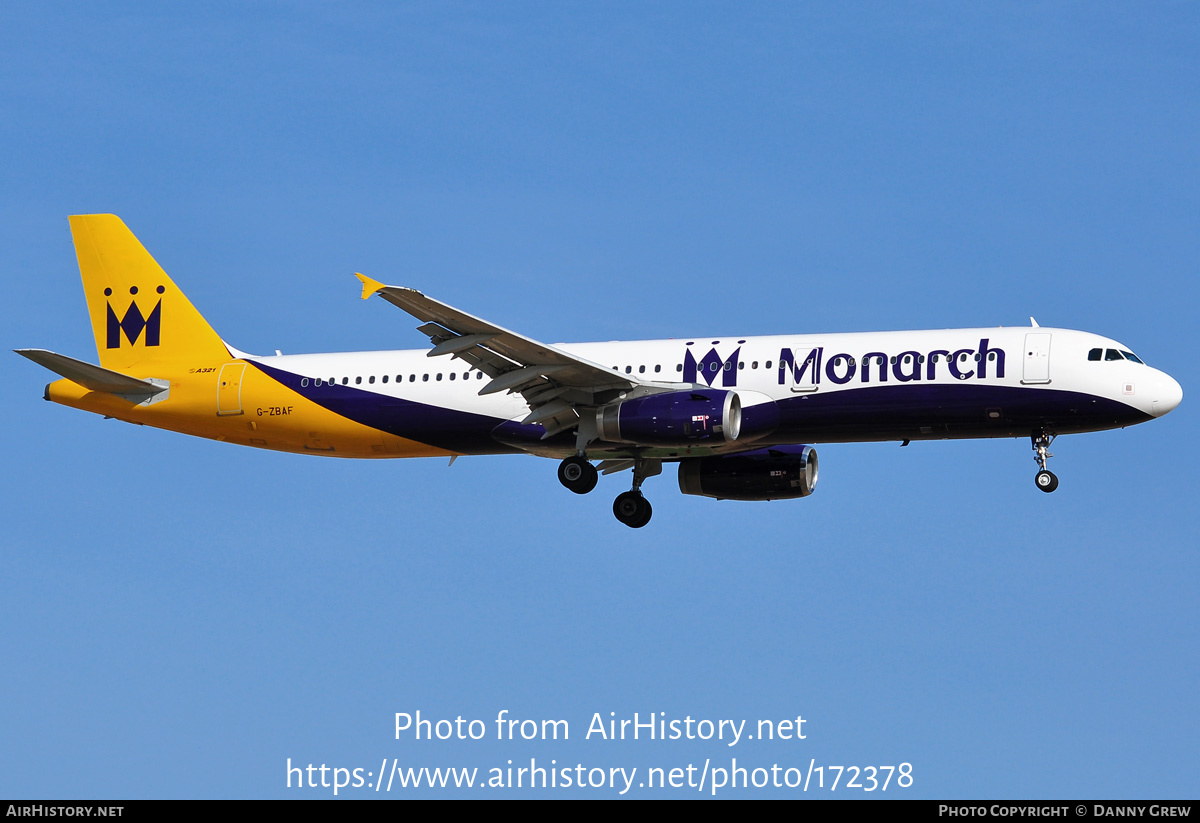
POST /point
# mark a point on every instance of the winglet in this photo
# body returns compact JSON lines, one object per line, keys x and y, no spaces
{"x":369,"y":286}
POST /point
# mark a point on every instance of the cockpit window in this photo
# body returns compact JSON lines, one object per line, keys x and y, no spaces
{"x":1096,"y":355}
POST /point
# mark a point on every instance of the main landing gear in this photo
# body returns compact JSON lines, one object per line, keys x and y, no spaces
{"x":577,"y":474}
{"x":1045,"y":479}
{"x":630,"y":507}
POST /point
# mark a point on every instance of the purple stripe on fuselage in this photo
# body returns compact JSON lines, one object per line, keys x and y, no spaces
{"x":937,"y":410}
{"x":436,"y":426}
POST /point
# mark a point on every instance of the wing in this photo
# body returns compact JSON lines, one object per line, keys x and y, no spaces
{"x":555,"y":384}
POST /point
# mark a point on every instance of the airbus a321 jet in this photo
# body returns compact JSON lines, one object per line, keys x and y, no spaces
{"x":738,"y":415}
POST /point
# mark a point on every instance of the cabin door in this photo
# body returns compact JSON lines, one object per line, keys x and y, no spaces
{"x":1037,"y":358}
{"x":229,"y":389}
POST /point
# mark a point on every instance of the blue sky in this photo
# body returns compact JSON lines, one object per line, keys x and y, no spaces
{"x":180,"y":617}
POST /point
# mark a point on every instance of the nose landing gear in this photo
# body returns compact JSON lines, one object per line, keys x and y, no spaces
{"x":1046,"y":480}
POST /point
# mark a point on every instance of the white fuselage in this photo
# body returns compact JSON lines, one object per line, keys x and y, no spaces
{"x":989,"y":382}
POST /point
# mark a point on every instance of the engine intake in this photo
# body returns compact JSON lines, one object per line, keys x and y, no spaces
{"x":673,"y":418}
{"x":774,"y":473}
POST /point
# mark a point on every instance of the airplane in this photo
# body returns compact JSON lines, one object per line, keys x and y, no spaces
{"x":738,"y":414}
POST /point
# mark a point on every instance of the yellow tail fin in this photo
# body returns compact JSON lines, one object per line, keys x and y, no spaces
{"x":139,"y":316}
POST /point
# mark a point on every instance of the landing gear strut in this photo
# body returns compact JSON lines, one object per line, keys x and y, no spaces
{"x":630,"y":507}
{"x":577,"y":474}
{"x":1046,"y":479}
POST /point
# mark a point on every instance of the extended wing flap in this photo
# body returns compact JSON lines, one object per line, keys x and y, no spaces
{"x":513,"y":361}
{"x":96,"y":378}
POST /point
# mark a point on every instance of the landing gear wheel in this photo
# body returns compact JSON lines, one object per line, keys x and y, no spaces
{"x":632,"y":509}
{"x":577,"y":474}
{"x":1046,"y":481}
{"x":645,"y":511}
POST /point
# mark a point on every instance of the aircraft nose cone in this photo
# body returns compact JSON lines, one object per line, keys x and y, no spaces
{"x":1168,"y":396}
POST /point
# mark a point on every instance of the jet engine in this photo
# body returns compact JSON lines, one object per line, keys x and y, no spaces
{"x":773,"y":473}
{"x":711,"y":416}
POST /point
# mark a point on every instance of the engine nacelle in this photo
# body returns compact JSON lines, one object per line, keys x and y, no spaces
{"x":773,"y":473}
{"x":673,"y":418}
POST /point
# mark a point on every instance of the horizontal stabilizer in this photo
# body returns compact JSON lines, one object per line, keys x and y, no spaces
{"x":92,"y":377}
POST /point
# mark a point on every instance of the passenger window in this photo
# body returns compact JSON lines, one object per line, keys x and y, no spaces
{"x":453,"y":375}
{"x":371,"y":379}
{"x":1095,"y":354}
{"x":425,"y":378}
{"x":385,"y":378}
{"x":345,"y":381}
{"x":641,"y":369}
{"x":304,"y":382}
{"x":657,"y":369}
{"x":678,"y":367}
{"x":357,"y":380}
